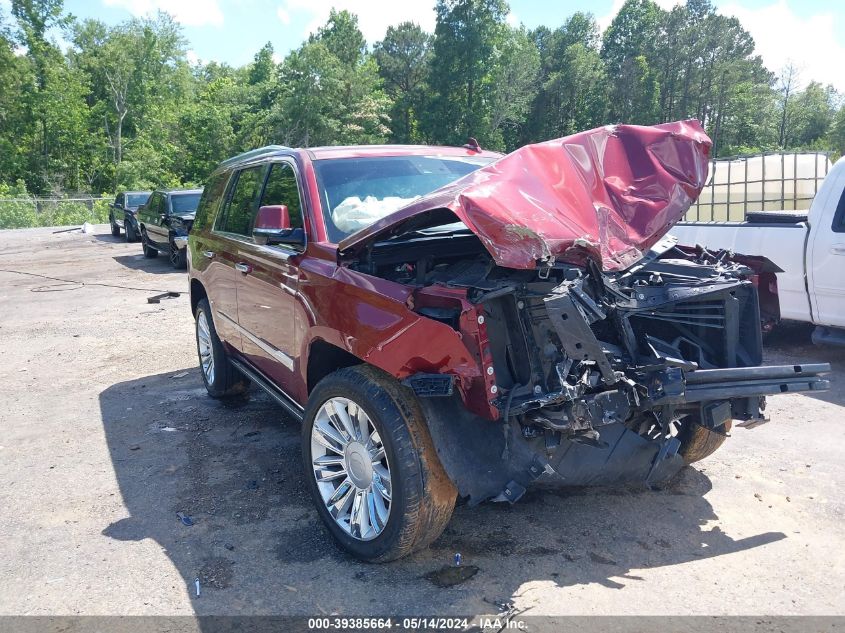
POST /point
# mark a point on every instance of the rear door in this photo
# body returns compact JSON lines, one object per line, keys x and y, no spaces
{"x":826,"y":254}
{"x":232,"y":229}
{"x":267,"y":293}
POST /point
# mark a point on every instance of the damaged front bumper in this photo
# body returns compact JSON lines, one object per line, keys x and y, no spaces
{"x":599,"y":378}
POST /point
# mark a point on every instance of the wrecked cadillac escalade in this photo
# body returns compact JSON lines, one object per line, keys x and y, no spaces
{"x":450,"y":322}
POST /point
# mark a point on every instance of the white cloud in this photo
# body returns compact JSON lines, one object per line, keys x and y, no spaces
{"x":187,"y":12}
{"x":284,"y":16}
{"x":192,"y":57}
{"x":374,"y":16}
{"x":781,"y":36}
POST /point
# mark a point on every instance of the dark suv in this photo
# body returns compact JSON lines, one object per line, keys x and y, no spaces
{"x":449,"y":322}
{"x":164,"y":222}
{"x":122,"y":213}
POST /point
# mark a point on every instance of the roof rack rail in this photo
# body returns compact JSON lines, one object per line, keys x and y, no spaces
{"x":255,"y":153}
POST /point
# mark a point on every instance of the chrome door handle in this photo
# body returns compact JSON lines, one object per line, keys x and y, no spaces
{"x":244,"y":268}
{"x":208,"y":254}
{"x":838,"y":249}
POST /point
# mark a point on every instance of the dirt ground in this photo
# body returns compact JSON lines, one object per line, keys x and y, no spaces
{"x":106,"y":434}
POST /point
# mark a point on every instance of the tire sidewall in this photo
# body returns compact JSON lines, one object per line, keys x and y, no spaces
{"x":217,"y":351}
{"x":399,"y":448}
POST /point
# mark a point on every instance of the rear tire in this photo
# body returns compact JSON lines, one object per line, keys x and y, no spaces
{"x":698,"y":442}
{"x":149,"y":251}
{"x":221,"y":379}
{"x":397,"y":459}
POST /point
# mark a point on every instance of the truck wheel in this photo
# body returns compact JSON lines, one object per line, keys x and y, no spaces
{"x":698,"y":442}
{"x":178,"y":256}
{"x":129,"y":230}
{"x":149,"y":251}
{"x":115,"y":229}
{"x":371,"y":466}
{"x":221,"y":379}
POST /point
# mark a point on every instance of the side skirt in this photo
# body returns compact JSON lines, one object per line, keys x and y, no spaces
{"x":288,"y":403}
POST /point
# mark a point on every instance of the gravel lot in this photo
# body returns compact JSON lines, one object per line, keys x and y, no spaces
{"x":107,"y":434}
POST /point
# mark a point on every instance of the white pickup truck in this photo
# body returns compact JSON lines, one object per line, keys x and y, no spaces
{"x":809,"y":247}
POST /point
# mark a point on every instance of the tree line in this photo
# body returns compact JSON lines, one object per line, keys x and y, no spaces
{"x":122,"y":107}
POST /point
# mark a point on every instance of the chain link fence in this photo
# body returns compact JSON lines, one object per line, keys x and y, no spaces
{"x":30,"y":211}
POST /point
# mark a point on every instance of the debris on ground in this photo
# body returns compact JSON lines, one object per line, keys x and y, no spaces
{"x":185,"y":519}
{"x":449,"y":576}
{"x":604,"y":560}
{"x":181,"y":374}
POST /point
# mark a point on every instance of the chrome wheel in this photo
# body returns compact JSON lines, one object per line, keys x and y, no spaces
{"x":205,"y":348}
{"x":351,"y":468}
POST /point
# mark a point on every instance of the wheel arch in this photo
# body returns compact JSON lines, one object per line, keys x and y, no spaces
{"x":198,"y":293}
{"x":323,"y":359}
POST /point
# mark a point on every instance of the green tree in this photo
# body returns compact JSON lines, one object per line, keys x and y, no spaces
{"x":574,"y":89}
{"x":403,"y":57}
{"x":513,"y":86}
{"x":628,"y":54}
{"x":330,"y":90}
{"x":469,"y":34}
{"x":34,"y":19}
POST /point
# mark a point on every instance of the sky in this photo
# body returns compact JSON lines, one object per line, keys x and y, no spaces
{"x":807,"y":33}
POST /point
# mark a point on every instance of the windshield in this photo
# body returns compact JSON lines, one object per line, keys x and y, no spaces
{"x":136,"y":199}
{"x":356,"y":192}
{"x":184,"y":203}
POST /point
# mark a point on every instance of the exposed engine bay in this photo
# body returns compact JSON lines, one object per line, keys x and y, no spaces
{"x":611,"y":367}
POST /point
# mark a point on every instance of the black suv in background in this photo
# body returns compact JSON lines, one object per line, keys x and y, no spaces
{"x":164,"y":222}
{"x":122,"y":213}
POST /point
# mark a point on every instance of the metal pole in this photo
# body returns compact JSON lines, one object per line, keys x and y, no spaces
{"x":745,"y":194}
{"x":729,"y":197}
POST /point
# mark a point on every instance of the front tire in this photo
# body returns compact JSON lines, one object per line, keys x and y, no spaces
{"x":149,"y":251}
{"x":371,"y":466}
{"x":178,"y":256}
{"x":129,"y":230}
{"x":115,"y":229}
{"x":698,"y":442}
{"x":221,"y":379}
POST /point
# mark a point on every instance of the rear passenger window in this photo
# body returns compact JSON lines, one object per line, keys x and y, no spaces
{"x":210,"y":200}
{"x":282,"y":189}
{"x":237,"y":217}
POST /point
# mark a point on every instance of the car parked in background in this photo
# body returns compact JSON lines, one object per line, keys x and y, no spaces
{"x":164,"y":222}
{"x":449,"y":322}
{"x":122,"y":213}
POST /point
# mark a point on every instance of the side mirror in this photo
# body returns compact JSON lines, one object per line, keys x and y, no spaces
{"x":272,"y":226}
{"x":118,"y":205}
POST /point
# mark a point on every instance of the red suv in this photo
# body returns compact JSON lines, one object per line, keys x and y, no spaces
{"x":451,"y":322}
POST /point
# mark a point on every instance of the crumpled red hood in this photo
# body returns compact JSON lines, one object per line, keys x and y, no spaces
{"x":607,"y":194}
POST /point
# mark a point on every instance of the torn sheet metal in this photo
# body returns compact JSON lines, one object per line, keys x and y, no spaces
{"x":607,"y":194}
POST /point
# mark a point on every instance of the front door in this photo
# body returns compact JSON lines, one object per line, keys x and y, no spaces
{"x":267,"y":294}
{"x":157,"y":216}
{"x":826,"y":255}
